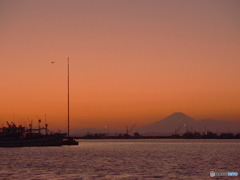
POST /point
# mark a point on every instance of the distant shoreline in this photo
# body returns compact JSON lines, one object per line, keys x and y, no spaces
{"x":226,"y":136}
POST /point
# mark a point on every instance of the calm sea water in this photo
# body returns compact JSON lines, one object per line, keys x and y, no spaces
{"x":123,"y":159}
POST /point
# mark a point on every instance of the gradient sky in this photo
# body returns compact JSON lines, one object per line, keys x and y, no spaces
{"x":131,"y":61}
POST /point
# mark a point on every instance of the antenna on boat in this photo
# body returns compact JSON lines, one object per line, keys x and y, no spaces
{"x":39,"y":122}
{"x":69,"y":141}
{"x":30,"y":125}
{"x":39,"y":128}
{"x":68,"y":95}
{"x":45,"y":118}
{"x":46,"y":125}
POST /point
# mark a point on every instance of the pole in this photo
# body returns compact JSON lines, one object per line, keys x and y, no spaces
{"x":68,"y":97}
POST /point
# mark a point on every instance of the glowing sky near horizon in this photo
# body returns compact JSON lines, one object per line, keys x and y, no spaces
{"x":131,"y":62}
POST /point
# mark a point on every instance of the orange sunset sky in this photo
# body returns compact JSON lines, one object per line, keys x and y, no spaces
{"x":131,"y":61}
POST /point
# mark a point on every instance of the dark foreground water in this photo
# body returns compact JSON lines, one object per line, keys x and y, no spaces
{"x":123,"y":159}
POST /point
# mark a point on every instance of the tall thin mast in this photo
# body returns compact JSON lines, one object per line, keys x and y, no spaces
{"x":68,"y":97}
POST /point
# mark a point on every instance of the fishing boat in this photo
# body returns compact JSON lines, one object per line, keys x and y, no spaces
{"x":19,"y":136}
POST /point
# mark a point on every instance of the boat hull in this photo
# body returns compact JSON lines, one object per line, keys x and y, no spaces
{"x":69,"y":141}
{"x":54,"y":140}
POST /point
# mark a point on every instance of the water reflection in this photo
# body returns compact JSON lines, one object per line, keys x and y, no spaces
{"x":122,"y":159}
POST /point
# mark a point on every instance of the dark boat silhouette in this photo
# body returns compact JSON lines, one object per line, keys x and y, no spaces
{"x":70,"y":141}
{"x":19,"y":136}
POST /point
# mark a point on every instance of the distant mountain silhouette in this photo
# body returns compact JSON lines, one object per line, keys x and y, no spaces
{"x":181,"y":123}
{"x":179,"y":117}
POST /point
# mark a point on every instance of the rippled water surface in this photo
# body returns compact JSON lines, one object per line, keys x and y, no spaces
{"x":123,"y":159}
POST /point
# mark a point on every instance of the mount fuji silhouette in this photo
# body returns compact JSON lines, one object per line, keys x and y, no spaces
{"x":181,"y":123}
